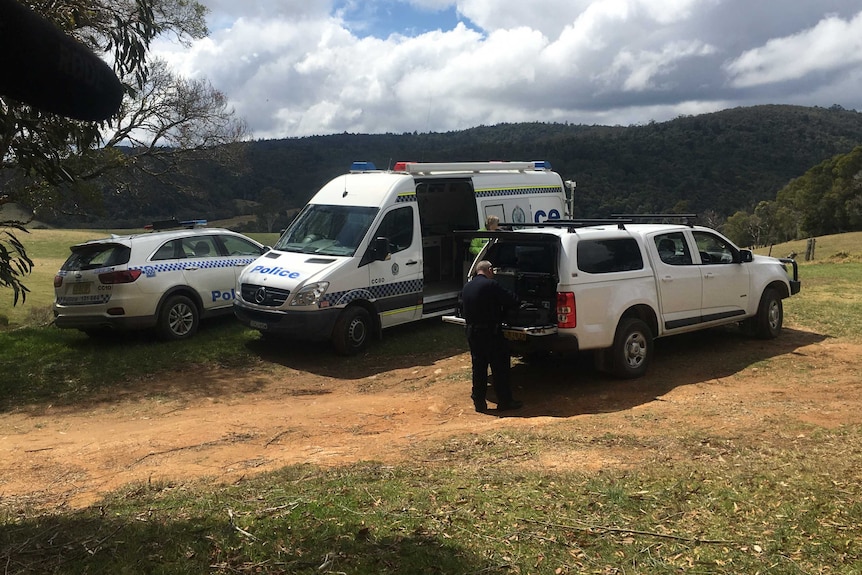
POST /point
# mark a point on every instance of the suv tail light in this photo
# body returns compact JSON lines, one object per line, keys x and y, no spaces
{"x":121,"y":277}
{"x":58,"y":281}
{"x":567,"y":315}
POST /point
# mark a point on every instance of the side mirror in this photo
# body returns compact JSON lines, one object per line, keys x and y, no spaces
{"x":745,"y":256}
{"x":381,"y":249}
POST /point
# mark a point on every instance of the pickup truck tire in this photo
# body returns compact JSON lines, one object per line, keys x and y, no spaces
{"x":770,"y":315}
{"x":350,"y":335}
{"x":632,"y":350}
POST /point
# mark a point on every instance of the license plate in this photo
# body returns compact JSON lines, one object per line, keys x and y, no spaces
{"x":515,"y":335}
{"x":81,"y":288}
{"x":258,"y":325}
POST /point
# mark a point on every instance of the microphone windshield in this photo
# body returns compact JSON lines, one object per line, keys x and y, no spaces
{"x":42,"y":66}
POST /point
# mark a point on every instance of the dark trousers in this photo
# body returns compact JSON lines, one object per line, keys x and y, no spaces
{"x":488,"y":347}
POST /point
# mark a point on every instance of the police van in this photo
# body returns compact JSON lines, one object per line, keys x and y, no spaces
{"x":377,"y":248}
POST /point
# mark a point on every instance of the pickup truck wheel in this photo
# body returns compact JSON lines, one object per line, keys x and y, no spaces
{"x":351,"y":332}
{"x":632,"y":349}
{"x":178,"y":318}
{"x":770,"y":315}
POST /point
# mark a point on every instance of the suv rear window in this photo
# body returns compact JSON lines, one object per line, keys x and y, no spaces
{"x":95,"y":256}
{"x":607,"y":256}
{"x":524,"y":257}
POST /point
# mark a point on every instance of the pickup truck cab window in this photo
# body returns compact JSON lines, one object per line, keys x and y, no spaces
{"x":673,"y":249}
{"x":714,"y":249}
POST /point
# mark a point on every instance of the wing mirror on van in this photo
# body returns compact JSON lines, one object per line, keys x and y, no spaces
{"x":745,"y":256}
{"x":381,"y":249}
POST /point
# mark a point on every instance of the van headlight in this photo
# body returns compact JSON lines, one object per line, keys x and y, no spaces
{"x":310,"y":294}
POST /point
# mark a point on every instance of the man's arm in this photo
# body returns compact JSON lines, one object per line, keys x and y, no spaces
{"x":508,"y":299}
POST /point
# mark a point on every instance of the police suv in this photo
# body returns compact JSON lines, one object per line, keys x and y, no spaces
{"x":166,"y":278}
{"x":613,"y":286}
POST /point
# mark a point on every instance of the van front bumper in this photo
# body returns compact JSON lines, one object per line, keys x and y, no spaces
{"x":314,"y":325}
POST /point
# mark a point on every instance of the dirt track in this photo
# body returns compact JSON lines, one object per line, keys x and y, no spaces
{"x":302,"y":406}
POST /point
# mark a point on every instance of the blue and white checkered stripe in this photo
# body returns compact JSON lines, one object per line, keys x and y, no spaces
{"x":494,"y":192}
{"x":152,"y":270}
{"x":526,"y":191}
{"x":373,"y":293}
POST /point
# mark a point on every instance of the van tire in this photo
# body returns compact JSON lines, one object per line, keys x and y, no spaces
{"x":178,"y":319}
{"x":770,"y":315}
{"x":352,"y":330}
{"x":632,"y":350}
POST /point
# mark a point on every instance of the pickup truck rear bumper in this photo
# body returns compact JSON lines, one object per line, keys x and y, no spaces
{"x":531,"y":339}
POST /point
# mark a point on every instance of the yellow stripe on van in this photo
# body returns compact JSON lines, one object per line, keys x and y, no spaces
{"x":402,"y":310}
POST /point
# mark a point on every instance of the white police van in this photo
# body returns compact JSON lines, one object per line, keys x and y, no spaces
{"x":166,"y":278}
{"x":376,"y":248}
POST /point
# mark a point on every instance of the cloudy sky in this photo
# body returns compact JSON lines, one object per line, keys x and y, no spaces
{"x":296,"y":68}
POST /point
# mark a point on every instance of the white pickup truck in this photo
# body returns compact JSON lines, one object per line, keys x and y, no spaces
{"x":613,"y":286}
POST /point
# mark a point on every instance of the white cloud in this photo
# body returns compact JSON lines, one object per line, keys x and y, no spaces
{"x":832,"y":44}
{"x":642,"y":71}
{"x":300,"y":68}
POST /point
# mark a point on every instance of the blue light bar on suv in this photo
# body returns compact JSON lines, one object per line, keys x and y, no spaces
{"x":362,"y":166}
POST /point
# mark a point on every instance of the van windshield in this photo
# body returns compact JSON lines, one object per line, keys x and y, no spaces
{"x":327,"y":230}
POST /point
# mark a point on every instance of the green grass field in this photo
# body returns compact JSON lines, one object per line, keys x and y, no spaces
{"x":788,"y":505}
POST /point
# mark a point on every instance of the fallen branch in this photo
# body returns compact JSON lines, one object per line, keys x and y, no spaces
{"x":606,"y":529}
{"x":237,"y":527}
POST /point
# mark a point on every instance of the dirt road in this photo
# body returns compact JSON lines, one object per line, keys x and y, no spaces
{"x":301,"y":405}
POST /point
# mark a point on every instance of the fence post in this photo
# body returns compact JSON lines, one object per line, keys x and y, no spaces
{"x":809,"y":249}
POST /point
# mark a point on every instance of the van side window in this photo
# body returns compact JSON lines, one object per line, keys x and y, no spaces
{"x":673,"y":249}
{"x":397,"y":227}
{"x":606,"y":256}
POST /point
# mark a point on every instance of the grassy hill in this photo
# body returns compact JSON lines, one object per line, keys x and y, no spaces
{"x":722,"y":162}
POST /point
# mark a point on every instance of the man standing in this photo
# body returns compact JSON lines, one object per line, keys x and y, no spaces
{"x":492,"y":224}
{"x":483,"y":301}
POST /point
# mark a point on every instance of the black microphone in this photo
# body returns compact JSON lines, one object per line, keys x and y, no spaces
{"x":42,"y":66}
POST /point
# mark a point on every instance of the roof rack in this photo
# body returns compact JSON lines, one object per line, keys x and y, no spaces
{"x":572,"y":225}
{"x":174,"y":223}
{"x":685,"y":219}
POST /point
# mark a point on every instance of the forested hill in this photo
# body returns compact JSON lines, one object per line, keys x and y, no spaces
{"x":724,"y":162}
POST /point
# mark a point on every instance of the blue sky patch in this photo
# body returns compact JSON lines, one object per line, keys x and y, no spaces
{"x":382,"y":19}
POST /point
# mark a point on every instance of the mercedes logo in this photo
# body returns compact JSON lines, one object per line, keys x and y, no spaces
{"x":260,"y":295}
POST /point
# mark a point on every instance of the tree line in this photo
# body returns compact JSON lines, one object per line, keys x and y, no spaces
{"x":826,"y":199}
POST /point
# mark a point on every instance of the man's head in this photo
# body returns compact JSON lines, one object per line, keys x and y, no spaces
{"x":492,"y":223}
{"x":484,"y":268}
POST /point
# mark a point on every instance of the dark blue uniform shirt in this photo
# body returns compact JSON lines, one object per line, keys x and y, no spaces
{"x":483,"y":301}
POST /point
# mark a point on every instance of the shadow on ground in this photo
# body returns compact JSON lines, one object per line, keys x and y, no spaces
{"x":564,"y":386}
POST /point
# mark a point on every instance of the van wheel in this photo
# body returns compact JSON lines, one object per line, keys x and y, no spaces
{"x":351,"y":332}
{"x":178,"y":318}
{"x":770,"y":315}
{"x":632,"y":349}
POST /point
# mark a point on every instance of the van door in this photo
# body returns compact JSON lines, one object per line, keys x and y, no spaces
{"x":396,"y":282}
{"x":445,"y":205}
